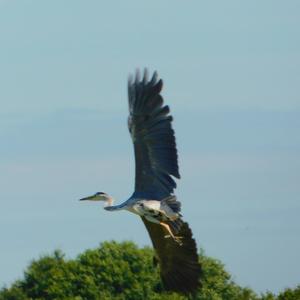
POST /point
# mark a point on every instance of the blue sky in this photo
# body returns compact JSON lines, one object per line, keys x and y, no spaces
{"x":231,"y":74}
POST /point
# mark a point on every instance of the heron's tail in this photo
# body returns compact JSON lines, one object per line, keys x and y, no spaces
{"x":172,"y":202}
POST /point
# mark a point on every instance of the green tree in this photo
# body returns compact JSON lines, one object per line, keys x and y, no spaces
{"x":218,"y":285}
{"x":289,"y":294}
{"x":121,"y":271}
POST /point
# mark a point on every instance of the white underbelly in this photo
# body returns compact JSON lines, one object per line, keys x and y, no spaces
{"x":142,"y":207}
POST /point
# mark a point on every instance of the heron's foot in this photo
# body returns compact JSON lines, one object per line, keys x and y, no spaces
{"x":178,"y":239}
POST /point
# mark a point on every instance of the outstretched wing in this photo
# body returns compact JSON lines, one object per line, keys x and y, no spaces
{"x":150,"y":127}
{"x":179,"y":266}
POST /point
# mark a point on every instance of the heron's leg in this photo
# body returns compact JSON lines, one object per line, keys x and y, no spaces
{"x":167,"y":227}
{"x":175,"y":238}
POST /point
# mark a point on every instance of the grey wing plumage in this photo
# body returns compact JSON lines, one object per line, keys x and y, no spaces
{"x":150,"y":127}
{"x":179,"y":266}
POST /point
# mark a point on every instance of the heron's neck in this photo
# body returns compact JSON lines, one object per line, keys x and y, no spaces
{"x":109,"y":202}
{"x":111,"y":207}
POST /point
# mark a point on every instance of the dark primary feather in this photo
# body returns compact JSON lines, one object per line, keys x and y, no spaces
{"x":179,"y":265}
{"x":150,"y":127}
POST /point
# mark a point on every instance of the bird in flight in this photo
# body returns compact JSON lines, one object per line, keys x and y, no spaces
{"x":153,"y":199}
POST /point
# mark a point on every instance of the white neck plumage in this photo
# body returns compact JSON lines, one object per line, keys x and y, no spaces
{"x":108,"y":202}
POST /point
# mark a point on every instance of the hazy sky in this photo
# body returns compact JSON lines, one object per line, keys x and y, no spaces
{"x":231,"y":71}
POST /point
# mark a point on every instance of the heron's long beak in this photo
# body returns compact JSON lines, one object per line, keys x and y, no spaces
{"x":87,"y":198}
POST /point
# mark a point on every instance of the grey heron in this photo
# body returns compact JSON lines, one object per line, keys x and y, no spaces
{"x":156,"y":164}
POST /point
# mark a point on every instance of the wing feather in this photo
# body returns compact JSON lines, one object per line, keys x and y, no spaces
{"x":179,"y":265}
{"x":153,"y":138}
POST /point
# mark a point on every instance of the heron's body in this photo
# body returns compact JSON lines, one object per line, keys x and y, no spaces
{"x":155,"y":211}
{"x":147,"y":207}
{"x":153,"y":200}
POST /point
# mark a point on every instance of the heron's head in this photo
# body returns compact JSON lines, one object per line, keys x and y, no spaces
{"x":100,"y":196}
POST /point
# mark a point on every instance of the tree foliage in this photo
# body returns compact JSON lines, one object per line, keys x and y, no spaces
{"x":121,"y":271}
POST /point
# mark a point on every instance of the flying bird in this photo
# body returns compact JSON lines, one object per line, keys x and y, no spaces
{"x":153,"y":199}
